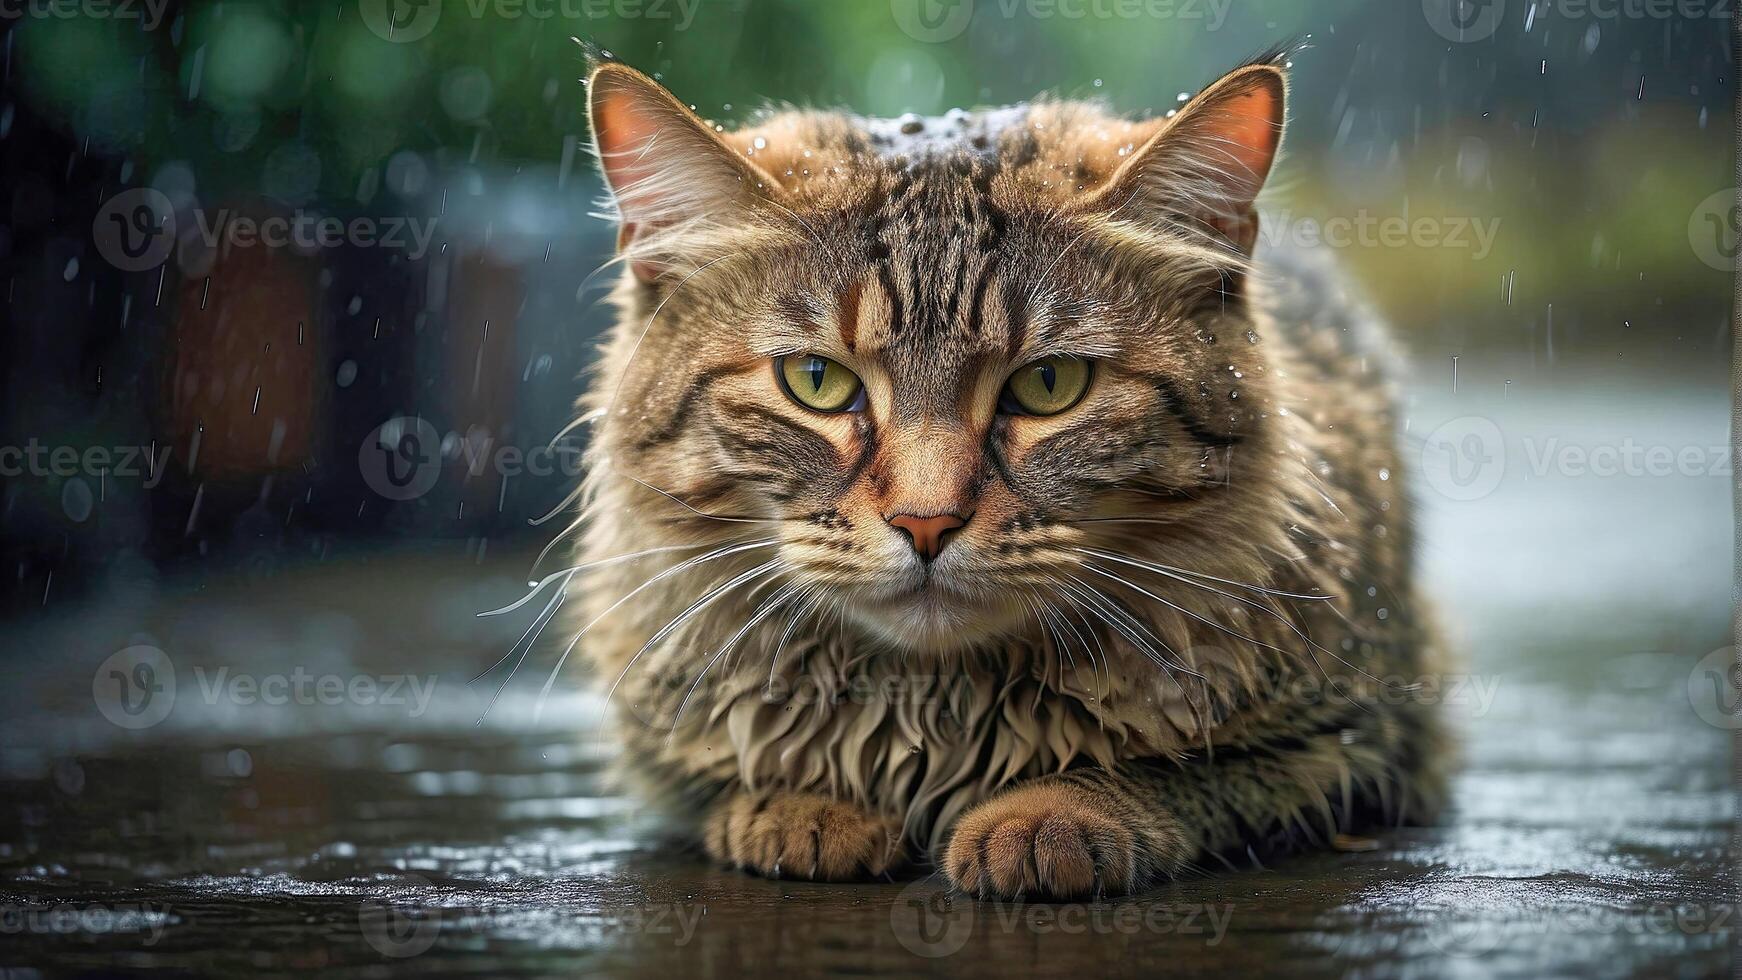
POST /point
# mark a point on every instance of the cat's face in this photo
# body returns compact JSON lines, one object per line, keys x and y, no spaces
{"x":934,"y":366}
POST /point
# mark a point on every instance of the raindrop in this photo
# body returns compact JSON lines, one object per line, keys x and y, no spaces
{"x":347,"y":374}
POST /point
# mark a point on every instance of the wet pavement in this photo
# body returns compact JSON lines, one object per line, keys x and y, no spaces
{"x":386,"y":818}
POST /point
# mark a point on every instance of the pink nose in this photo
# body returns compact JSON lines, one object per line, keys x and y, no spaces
{"x":929,"y":534}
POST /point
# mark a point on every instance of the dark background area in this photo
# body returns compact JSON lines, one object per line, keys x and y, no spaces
{"x":1588,"y":142}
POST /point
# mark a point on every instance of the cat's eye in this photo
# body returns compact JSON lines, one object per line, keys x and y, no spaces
{"x":1047,"y":386}
{"x":820,"y":384}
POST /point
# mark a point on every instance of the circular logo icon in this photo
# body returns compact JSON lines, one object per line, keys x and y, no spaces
{"x":135,"y":230}
{"x":932,"y":21}
{"x":401,"y":21}
{"x":135,"y":687}
{"x":1714,"y":230}
{"x":398,"y":931}
{"x":1715,"y":689}
{"x":1465,"y":458}
{"x":1464,"y":937}
{"x":930,"y":919}
{"x":1463,"y":21}
{"x":402,"y":458}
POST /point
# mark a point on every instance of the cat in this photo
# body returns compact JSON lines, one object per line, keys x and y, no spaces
{"x":973,"y":491}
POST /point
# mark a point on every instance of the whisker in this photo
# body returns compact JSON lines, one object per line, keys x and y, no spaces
{"x":538,"y":586}
{"x":1176,"y":572}
{"x":1180,"y":609}
{"x":1171,"y":676}
{"x":534,"y":631}
{"x":1103,"y":603}
{"x":1313,"y":647}
{"x":550,"y":681}
{"x":762,"y":612}
{"x":555,"y":601}
{"x":811,"y":593}
{"x":681,"y":618}
{"x":700,"y":513}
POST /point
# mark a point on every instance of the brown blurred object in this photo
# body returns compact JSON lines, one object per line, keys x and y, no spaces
{"x":245,"y":386}
{"x":485,"y":300}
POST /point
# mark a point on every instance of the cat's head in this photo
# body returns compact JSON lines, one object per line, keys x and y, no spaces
{"x":939,"y":361}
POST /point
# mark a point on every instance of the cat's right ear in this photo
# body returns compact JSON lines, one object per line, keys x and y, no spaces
{"x":667,"y":169}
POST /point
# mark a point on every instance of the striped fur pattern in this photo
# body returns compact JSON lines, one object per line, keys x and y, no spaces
{"x":1179,"y":621}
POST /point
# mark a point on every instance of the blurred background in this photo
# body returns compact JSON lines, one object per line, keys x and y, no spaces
{"x":295,"y":298}
{"x":1553,"y":170}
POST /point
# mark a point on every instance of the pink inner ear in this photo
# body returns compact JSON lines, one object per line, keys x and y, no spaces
{"x":1252,"y":128}
{"x":625,"y":135}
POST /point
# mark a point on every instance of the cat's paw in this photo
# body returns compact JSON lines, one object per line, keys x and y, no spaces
{"x":1047,"y":838}
{"x":803,"y":835}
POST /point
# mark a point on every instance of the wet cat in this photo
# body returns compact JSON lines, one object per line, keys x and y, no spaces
{"x":972,"y":490}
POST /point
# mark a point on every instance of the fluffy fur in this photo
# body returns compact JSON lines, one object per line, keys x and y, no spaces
{"x":1180,"y":619}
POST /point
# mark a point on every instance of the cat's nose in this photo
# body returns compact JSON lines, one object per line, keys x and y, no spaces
{"x":929,"y":534}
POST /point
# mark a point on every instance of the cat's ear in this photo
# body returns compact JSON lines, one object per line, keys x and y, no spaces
{"x":1206,"y":165}
{"x":667,"y":169}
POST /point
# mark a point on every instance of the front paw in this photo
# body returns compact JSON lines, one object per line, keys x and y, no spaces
{"x":803,"y":835}
{"x":1047,"y":838}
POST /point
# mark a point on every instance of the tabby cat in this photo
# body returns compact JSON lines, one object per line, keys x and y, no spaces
{"x":970,"y":490}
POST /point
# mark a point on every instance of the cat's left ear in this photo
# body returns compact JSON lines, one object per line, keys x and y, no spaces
{"x":668,"y":170}
{"x":1206,"y":165}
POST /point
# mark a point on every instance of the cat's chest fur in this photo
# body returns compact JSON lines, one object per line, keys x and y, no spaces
{"x":918,"y":737}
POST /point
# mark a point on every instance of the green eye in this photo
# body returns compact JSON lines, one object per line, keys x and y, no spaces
{"x":818,"y":383}
{"x":1047,"y":386}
